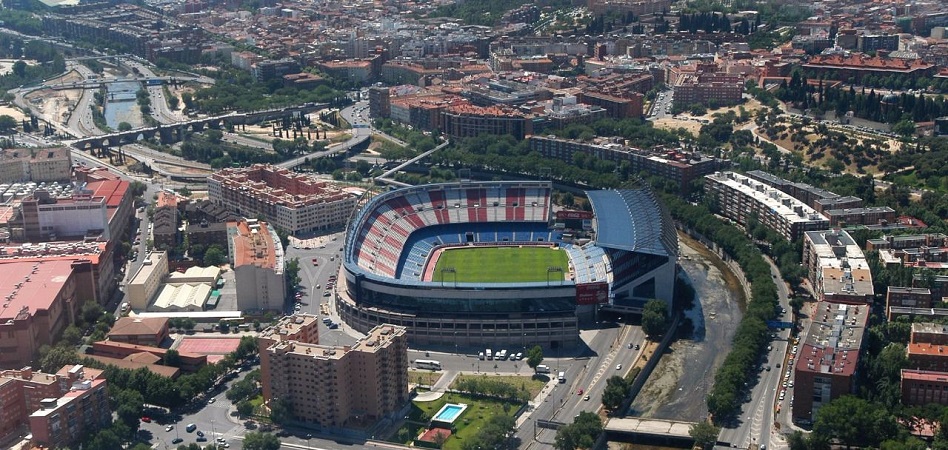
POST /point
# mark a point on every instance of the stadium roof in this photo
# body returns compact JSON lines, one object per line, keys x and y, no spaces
{"x":632,"y":220}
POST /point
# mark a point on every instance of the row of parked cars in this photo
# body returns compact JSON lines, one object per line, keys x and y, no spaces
{"x":501,"y":355}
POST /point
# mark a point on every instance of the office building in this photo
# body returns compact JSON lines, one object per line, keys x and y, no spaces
{"x":741,"y":198}
{"x":43,"y":217}
{"x":37,"y":165}
{"x":828,"y":357}
{"x":295,"y":203}
{"x":837,"y":268}
{"x":38,"y":300}
{"x":145,"y":283}
{"x":332,"y":386}
{"x":256,"y":256}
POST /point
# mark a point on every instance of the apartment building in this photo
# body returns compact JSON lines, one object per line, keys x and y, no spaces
{"x":146,"y":281}
{"x":873,"y":215}
{"x":906,"y":241}
{"x":837,"y":268}
{"x":38,"y":165}
{"x":679,"y":167}
{"x":331,"y":386}
{"x":58,"y":408}
{"x":295,"y":203}
{"x":165,"y":228}
{"x":256,"y":256}
{"x":39,"y":300}
{"x":463,"y":120}
{"x":708,"y":88}
{"x":83,"y":408}
{"x":819,"y":199}
{"x":741,"y":198}
{"x":828,"y":357}
{"x":929,"y":333}
{"x":907,"y":297}
{"x":923,"y":387}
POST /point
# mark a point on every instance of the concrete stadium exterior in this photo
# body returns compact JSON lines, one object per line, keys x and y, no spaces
{"x":631,"y":259}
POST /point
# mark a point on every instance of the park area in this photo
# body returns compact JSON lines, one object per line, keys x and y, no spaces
{"x":487,"y":406}
{"x":506,"y":264}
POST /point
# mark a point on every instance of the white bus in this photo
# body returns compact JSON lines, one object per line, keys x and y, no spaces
{"x":428,"y":364}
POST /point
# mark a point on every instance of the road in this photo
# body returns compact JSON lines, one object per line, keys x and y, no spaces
{"x":756,"y":422}
{"x":661,"y":106}
{"x":360,"y":133}
{"x":587,"y":372}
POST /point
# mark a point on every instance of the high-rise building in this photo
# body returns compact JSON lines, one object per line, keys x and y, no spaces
{"x":58,"y":408}
{"x":257,"y":258}
{"x":838,"y":269}
{"x":333,"y":386}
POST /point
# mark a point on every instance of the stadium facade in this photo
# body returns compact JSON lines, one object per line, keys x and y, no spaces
{"x":629,"y":258}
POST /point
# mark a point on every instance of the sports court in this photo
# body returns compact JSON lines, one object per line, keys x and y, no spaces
{"x":504,"y":264}
{"x":214,"y":348}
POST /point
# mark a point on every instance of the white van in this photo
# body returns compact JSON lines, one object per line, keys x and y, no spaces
{"x":561,"y":377}
{"x":543,"y":368}
{"x":490,"y":355}
{"x":480,"y":356}
{"x":125,"y":307}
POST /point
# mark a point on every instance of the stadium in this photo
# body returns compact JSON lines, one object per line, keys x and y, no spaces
{"x":492,"y":264}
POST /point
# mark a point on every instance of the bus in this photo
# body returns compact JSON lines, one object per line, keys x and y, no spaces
{"x":428,"y":364}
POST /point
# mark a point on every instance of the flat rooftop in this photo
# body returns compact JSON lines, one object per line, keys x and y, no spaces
{"x":781,"y":203}
{"x":28,"y":287}
{"x":833,"y":340}
{"x":146,"y":270}
{"x":254,"y":245}
{"x":280,"y":186}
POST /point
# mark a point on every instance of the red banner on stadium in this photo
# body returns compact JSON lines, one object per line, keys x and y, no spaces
{"x":567,"y":215}
{"x":592,"y":293}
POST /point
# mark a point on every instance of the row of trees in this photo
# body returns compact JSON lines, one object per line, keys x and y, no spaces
{"x":237,"y":90}
{"x":485,"y":385}
{"x":751,"y":336}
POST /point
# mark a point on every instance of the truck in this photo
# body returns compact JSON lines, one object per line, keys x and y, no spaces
{"x":561,"y":377}
{"x":543,"y":368}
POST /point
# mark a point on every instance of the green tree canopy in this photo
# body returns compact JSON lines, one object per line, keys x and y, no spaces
{"x":261,"y":441}
{"x":852,"y":421}
{"x":534,"y":356}
{"x":655,"y":318}
{"x":705,"y":434}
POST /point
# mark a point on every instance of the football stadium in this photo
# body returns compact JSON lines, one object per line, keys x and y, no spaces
{"x":492,"y":263}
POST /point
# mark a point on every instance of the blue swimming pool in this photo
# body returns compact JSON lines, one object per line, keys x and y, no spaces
{"x":449,"y":413}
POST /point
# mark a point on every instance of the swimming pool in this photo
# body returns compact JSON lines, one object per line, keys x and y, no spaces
{"x":449,"y":413}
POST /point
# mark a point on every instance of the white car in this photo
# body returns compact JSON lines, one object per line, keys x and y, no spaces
{"x":618,"y":366}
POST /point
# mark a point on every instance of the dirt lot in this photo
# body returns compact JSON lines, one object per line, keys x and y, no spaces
{"x":680,"y":383}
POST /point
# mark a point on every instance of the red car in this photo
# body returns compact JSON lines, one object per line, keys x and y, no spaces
{"x":146,"y":419}
{"x":580,"y":391}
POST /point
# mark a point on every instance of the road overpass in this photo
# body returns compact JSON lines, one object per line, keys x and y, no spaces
{"x":644,"y":430}
{"x":175,"y":132}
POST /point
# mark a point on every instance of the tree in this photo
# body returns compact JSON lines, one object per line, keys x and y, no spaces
{"x":124,"y":126}
{"x":534,"y":357}
{"x":244,"y":408}
{"x":582,"y":433}
{"x":704,"y":433}
{"x":172,"y":358}
{"x":214,"y":136}
{"x":905,"y":127}
{"x":7,"y":123}
{"x":91,"y":312}
{"x":655,"y":318}
{"x":214,"y":256}
{"x":188,"y":100}
{"x":261,"y":441}
{"x":853,"y":421}
{"x":128,"y":405}
{"x":280,"y":411}
{"x":72,"y":335}
{"x":615,"y":392}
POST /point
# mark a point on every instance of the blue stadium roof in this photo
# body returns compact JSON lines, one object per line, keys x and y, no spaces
{"x":633,"y":220}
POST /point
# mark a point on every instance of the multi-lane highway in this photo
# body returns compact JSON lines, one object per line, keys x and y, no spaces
{"x":755,"y":425}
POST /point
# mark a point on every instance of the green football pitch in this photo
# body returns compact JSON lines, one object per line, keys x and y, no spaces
{"x":510,"y":264}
